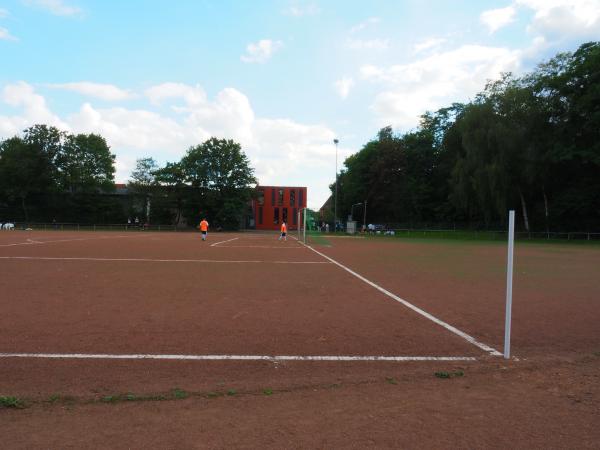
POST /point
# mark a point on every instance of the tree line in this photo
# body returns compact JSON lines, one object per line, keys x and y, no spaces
{"x":530,"y":143}
{"x":50,"y":175}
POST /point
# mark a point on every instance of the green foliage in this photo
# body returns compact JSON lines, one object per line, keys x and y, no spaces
{"x":11,"y":402}
{"x":49,"y":173}
{"x":179,"y":393}
{"x":443,"y":374}
{"x":531,"y":144}
{"x":221,"y":177}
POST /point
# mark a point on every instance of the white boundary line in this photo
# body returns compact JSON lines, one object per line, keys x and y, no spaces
{"x":32,"y":242}
{"x":236,"y":357}
{"x":416,"y":309}
{"x":262,"y":246}
{"x":222,"y":261}
{"x":222,"y":242}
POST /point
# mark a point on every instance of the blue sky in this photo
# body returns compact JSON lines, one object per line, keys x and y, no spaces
{"x":282,"y":77}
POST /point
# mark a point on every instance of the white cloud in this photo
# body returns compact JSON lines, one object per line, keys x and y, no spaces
{"x":428,"y":44}
{"x":343,"y":85}
{"x":282,"y":151}
{"x":22,"y":95}
{"x":494,"y":19}
{"x":6,"y":36}
{"x":261,"y":51}
{"x":559,"y":20}
{"x":190,"y":94}
{"x":361,"y":26}
{"x":369,"y":44}
{"x":298,"y":10}
{"x":107,"y":92}
{"x":56,"y":7}
{"x":408,"y":90}
{"x":3,"y":13}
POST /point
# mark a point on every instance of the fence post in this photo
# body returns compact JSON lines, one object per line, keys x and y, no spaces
{"x":509,"y":282}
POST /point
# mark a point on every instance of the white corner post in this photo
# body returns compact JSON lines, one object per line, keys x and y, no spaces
{"x":509,"y":282}
{"x":304,"y":240}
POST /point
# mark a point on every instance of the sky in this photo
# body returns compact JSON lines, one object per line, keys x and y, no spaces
{"x":284,"y":78}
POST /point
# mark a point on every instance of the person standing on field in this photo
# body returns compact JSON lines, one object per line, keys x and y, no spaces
{"x":204,"y":229}
{"x":283,"y":231}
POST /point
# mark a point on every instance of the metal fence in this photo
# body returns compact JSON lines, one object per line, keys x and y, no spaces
{"x":489,"y":235}
{"x":401,"y":232}
{"x":65,"y":226}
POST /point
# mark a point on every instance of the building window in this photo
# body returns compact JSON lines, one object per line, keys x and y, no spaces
{"x":272,"y":197}
{"x":301,"y":198}
{"x":261,"y":197}
{"x":284,"y":211}
{"x":276,"y":216}
{"x":260,"y":214}
{"x":293,"y":198}
{"x":295,"y":219}
{"x":280,"y":198}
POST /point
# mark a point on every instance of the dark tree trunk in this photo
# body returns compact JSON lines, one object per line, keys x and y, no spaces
{"x":524,"y":207}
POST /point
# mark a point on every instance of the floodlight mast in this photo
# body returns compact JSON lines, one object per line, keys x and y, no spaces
{"x":335,"y":141}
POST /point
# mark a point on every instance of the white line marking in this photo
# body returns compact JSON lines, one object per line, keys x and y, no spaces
{"x":263,"y":246}
{"x":32,"y":242}
{"x":447,"y":326}
{"x":53,"y":258}
{"x":236,"y":357}
{"x":228,"y":240}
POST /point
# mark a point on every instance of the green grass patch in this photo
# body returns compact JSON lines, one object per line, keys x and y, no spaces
{"x":391,"y":380}
{"x":179,"y":394}
{"x":58,"y":398}
{"x":268,"y":391}
{"x":316,"y":238}
{"x":11,"y":402}
{"x":458,"y":373}
{"x":231,"y":392}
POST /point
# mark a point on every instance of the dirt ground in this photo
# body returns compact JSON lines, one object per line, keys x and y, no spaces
{"x":168,"y":293}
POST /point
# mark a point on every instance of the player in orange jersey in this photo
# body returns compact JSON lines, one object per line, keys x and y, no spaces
{"x":204,"y":229}
{"x":283,"y":234}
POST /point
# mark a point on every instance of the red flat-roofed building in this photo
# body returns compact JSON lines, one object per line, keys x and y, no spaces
{"x":276,"y":204}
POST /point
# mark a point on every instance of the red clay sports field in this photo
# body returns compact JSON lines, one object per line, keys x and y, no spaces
{"x":90,"y":315}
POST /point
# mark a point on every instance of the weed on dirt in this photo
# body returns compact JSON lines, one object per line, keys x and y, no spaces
{"x":458,"y":373}
{"x":11,"y":402}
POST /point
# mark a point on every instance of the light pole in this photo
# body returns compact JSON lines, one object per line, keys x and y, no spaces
{"x":365,"y":217}
{"x":335,"y":141}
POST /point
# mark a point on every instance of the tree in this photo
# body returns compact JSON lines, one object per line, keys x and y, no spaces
{"x":143,"y":181}
{"x":86,"y":165}
{"x":222,"y":179}
{"x":171,"y":179}
{"x":24,"y":170}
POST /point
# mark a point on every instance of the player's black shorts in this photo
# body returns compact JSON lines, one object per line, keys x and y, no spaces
{"x":204,"y":233}
{"x":283,"y":234}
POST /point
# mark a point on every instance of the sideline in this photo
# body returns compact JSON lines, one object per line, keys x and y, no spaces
{"x":236,"y":357}
{"x":33,"y":242}
{"x":222,"y":261}
{"x":462,"y":334}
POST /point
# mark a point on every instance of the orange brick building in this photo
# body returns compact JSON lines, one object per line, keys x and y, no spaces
{"x":276,"y":204}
